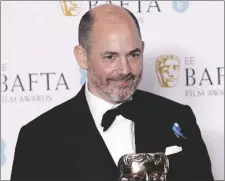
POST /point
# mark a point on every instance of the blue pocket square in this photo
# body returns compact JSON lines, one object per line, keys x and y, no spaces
{"x":177,"y":131}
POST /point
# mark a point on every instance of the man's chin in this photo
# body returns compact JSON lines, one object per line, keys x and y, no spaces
{"x":117,"y":101}
{"x":122,"y":97}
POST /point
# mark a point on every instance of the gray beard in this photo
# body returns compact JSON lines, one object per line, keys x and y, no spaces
{"x":109,"y":93}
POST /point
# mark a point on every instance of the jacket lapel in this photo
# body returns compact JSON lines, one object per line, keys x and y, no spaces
{"x":148,"y":136}
{"x":148,"y":126}
{"x":95,"y":160}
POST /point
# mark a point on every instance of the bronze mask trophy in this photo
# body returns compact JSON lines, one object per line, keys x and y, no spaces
{"x":143,"y":167}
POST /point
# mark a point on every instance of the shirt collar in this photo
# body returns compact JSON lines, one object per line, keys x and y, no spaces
{"x":97,"y":105}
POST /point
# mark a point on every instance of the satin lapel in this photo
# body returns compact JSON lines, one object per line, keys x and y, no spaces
{"x":148,"y":127}
{"x":95,"y":160}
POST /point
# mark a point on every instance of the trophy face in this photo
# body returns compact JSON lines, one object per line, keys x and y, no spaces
{"x":143,"y":167}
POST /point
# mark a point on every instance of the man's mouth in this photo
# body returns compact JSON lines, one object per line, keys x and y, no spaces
{"x":121,"y":82}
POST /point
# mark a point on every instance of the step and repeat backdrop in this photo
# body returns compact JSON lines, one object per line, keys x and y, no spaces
{"x":39,"y":71}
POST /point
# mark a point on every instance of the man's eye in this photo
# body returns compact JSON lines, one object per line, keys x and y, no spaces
{"x":135,"y":54}
{"x":109,"y":57}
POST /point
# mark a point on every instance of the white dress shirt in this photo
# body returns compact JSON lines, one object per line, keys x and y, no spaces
{"x":119,"y":138}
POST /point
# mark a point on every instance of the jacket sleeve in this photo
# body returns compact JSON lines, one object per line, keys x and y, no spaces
{"x":198,"y":159}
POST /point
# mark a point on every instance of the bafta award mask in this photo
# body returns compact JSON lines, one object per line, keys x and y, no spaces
{"x":167,"y":69}
{"x":143,"y":167}
{"x":71,"y":8}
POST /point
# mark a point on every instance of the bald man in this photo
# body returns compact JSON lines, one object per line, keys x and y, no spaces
{"x":83,"y":138}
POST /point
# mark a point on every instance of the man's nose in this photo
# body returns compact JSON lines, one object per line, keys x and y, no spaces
{"x":124,"y":66}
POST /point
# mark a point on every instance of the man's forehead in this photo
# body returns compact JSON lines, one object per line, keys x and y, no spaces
{"x":106,"y":27}
{"x":119,"y":45}
{"x":120,"y":50}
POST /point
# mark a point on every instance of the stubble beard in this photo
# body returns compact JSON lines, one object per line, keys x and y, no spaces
{"x":112,"y":93}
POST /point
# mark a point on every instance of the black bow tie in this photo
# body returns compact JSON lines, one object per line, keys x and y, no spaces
{"x":126,"y":110}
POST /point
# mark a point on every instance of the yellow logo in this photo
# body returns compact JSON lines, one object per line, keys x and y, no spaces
{"x":71,"y":8}
{"x":167,"y":70}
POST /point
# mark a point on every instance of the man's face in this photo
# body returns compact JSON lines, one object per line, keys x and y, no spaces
{"x":115,"y":62}
{"x":170,"y":72}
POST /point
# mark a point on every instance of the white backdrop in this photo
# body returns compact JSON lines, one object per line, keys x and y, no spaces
{"x":39,"y":71}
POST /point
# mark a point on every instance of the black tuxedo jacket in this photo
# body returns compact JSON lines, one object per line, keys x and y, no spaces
{"x":64,"y":143}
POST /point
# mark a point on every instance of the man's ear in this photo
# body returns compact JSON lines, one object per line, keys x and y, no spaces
{"x":81,"y":56}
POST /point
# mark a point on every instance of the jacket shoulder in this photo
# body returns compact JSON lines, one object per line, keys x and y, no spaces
{"x":157,"y":100}
{"x":165,"y":108}
{"x":51,"y":122}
